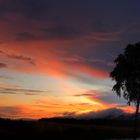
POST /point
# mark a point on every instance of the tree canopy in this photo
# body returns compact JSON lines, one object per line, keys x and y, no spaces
{"x":127,"y":73}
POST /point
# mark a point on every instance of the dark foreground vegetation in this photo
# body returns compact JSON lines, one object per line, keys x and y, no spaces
{"x":68,"y":129}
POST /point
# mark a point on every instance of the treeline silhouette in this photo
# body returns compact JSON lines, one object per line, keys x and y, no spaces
{"x":65,"y":128}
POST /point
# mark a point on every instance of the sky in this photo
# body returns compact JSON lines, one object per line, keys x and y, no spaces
{"x":56,"y":56}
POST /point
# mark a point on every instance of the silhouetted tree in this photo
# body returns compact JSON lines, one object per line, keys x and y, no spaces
{"x":127,"y":76}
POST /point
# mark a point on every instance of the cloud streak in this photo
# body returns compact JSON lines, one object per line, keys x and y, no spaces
{"x":4,"y":90}
{"x":21,"y":57}
{"x":53,"y":64}
{"x":3,"y":65}
{"x":18,"y":57}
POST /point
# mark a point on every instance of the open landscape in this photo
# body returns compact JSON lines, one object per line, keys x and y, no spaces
{"x":99,"y":129}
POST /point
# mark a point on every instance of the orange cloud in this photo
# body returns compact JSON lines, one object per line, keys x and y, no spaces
{"x":48,"y":108}
{"x":23,"y":111}
{"x":92,"y":71}
{"x":128,"y":109}
{"x":46,"y":61}
{"x":105,"y":105}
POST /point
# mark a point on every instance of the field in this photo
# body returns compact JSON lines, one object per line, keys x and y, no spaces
{"x":67,"y":129}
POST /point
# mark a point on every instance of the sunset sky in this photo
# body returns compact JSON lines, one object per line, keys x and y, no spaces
{"x":56,"y":55}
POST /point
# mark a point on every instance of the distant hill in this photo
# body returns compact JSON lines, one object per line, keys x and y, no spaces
{"x":111,"y":113}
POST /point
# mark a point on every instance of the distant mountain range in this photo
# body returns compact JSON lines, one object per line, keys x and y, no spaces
{"x":112,"y":113}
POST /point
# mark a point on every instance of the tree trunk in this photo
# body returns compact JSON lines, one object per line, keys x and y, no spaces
{"x":136,"y":119}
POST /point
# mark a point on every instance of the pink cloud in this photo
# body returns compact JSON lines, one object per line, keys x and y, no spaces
{"x":47,"y":61}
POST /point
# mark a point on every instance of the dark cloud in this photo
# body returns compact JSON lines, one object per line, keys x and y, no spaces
{"x":55,"y":32}
{"x":105,"y":27}
{"x":70,"y":11}
{"x":100,"y":27}
{"x":30,"y":9}
{"x":89,"y":60}
{"x":62,"y":32}
{"x":24,"y":36}
{"x":3,"y":65}
{"x":21,"y":91}
{"x":21,"y":57}
{"x":68,"y":32}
